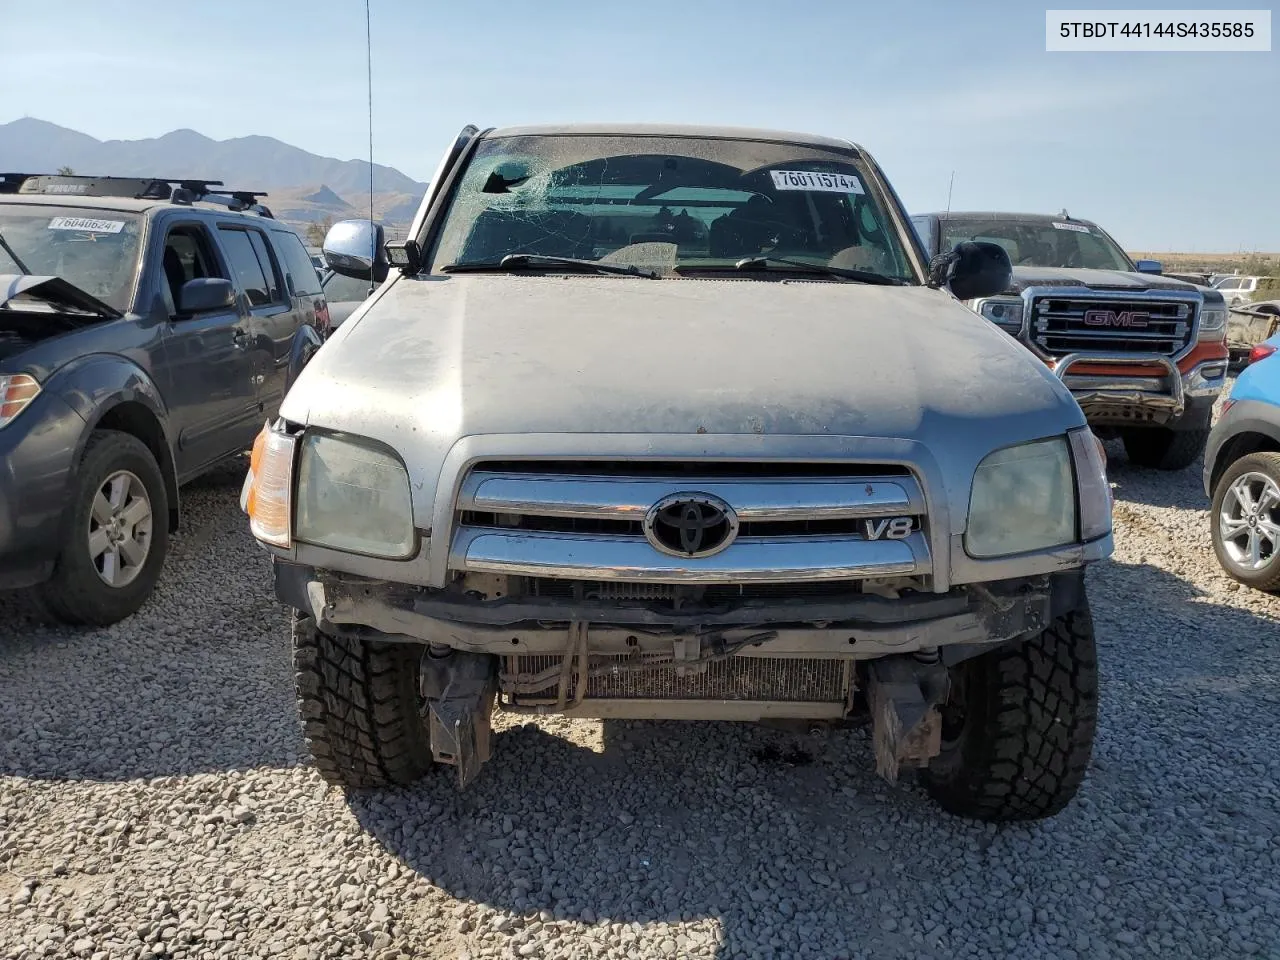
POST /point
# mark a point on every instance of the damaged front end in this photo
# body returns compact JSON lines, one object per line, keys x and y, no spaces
{"x":874,"y":649}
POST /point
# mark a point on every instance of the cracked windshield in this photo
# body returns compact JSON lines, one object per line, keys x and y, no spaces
{"x":669,"y":204}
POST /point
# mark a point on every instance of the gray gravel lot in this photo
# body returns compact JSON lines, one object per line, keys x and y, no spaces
{"x":155,"y":800}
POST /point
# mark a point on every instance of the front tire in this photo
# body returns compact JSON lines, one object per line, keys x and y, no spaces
{"x":115,"y":535}
{"x":1160,"y":448}
{"x":1018,"y":727}
{"x":1245,"y":520}
{"x":359,"y":706}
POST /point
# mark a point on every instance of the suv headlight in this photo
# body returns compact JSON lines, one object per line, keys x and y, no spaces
{"x":1213,"y":323}
{"x":353,"y":495}
{"x":1023,"y":499}
{"x":1004,"y":312}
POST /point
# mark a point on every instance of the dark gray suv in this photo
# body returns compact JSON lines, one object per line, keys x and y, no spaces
{"x":147,"y":330}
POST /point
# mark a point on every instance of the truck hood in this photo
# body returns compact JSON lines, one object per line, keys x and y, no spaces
{"x":427,"y":361}
{"x":584,"y":354}
{"x":1024,"y":277}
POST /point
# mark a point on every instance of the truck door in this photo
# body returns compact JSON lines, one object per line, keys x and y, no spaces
{"x":273,"y":317}
{"x":213,"y":399}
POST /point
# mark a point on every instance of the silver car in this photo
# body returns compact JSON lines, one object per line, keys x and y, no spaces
{"x":677,"y":422}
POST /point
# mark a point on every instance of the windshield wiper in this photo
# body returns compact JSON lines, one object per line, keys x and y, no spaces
{"x":862,"y":276}
{"x":517,"y":261}
{"x":17,"y":261}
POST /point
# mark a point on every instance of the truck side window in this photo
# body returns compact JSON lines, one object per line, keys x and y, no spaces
{"x":270,"y":269}
{"x":246,"y":266}
{"x":301,"y":272}
{"x":924,"y":230}
{"x":187,"y":256}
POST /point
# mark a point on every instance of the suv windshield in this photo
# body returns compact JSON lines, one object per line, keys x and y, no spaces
{"x":96,"y":250}
{"x":664,"y":203}
{"x":1042,"y":243}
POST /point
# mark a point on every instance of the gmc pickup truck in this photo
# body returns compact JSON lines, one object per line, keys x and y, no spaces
{"x":1144,"y":355}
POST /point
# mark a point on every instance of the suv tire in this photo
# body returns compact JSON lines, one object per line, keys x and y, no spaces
{"x":1018,"y":726}
{"x":100,"y":536}
{"x":359,"y":705}
{"x":1163,"y":449}
{"x":1256,"y":471}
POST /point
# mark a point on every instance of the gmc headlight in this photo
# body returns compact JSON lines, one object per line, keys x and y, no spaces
{"x":1213,"y":323}
{"x":1004,"y":312}
{"x":1023,"y":499}
{"x":353,"y":495}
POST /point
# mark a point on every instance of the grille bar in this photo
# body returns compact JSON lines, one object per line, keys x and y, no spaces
{"x":629,"y":497}
{"x":738,"y":678}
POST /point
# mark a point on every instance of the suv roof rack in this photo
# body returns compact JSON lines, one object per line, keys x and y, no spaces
{"x":184,"y":190}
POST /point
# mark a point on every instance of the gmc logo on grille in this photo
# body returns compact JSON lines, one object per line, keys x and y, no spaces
{"x":1110,"y":318}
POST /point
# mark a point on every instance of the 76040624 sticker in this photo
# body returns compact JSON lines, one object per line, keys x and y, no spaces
{"x":86,"y":225}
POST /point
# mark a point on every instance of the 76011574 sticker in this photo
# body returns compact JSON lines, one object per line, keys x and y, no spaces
{"x":815,"y":181}
{"x":1074,"y":227}
{"x":86,"y":224}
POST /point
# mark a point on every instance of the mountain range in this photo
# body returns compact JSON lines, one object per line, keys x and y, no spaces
{"x":302,"y":187}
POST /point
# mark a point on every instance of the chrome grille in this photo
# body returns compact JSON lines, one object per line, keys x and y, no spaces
{"x":737,"y":678}
{"x":1061,"y":325}
{"x":585,"y":521}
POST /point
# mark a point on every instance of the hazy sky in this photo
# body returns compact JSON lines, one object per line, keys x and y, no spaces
{"x":1168,"y":151}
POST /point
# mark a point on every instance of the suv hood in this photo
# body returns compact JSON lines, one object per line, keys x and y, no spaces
{"x":434,"y":359}
{"x":1024,"y":277}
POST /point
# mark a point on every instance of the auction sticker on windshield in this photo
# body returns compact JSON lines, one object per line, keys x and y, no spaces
{"x":86,"y":225}
{"x":1077,"y":228}
{"x":812,"y":180}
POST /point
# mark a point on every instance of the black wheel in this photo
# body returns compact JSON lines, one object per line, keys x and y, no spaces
{"x":115,"y":535}
{"x":1245,"y":520}
{"x":1018,"y":726}
{"x":359,"y":706}
{"x":1163,"y":449}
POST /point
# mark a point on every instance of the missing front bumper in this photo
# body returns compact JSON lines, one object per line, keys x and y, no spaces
{"x":854,"y":626}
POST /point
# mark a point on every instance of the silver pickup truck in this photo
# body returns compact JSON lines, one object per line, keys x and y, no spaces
{"x":678,"y":422}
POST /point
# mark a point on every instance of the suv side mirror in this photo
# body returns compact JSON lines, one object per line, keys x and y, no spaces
{"x":1149,"y":266}
{"x":975,"y":268}
{"x":205,"y":294}
{"x":354,"y":248}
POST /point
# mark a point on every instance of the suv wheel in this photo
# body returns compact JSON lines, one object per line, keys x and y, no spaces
{"x":1018,"y":726}
{"x":1162,"y":448}
{"x":1245,"y":520}
{"x":359,"y":705}
{"x":116,"y":534}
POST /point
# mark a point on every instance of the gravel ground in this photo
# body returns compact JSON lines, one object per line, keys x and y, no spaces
{"x":155,"y":800}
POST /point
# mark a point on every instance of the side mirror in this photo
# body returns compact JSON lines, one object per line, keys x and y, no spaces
{"x":354,"y":248}
{"x":1149,"y":266}
{"x":975,"y":268}
{"x":205,"y":294}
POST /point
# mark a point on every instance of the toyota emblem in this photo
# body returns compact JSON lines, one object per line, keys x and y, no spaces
{"x":690,"y":525}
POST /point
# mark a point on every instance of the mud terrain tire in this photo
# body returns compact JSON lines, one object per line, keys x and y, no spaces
{"x":358,"y":702}
{"x":1018,"y":729}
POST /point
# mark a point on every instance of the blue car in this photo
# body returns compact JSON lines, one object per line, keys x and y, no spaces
{"x":1242,"y":473}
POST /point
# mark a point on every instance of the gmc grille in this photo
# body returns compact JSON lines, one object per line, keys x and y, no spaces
{"x":1063,"y":325}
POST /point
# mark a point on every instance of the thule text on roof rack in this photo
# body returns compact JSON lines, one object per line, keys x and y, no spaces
{"x":183,"y":190}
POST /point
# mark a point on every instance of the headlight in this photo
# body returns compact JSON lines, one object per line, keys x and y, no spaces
{"x":1023,"y":499}
{"x":353,"y":495}
{"x":1004,"y":312}
{"x":1213,"y":323}
{"x":16,"y":391}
